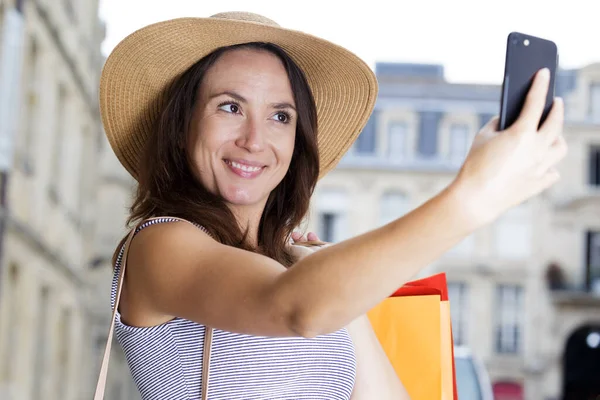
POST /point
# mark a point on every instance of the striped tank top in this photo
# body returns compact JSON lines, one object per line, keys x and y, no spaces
{"x":166,"y":361}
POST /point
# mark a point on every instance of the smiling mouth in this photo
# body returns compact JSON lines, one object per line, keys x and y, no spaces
{"x":243,"y":170}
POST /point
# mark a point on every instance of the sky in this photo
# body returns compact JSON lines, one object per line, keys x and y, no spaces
{"x":468,"y":37}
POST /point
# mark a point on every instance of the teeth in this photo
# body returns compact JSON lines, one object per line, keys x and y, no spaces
{"x":244,"y":167}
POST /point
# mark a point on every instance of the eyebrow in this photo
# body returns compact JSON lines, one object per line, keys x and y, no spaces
{"x":242,"y":99}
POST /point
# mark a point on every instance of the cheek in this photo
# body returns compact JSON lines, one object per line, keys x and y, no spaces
{"x":286,"y":149}
{"x":207,"y":142}
{"x":199,"y":155}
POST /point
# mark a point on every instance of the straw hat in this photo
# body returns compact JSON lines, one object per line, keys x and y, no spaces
{"x":143,"y":65}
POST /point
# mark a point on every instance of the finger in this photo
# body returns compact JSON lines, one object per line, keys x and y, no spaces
{"x":559,"y":148}
{"x":312,"y":236}
{"x":553,"y":126}
{"x":296,"y":236}
{"x":550,"y":178}
{"x":530,"y":115}
{"x":555,"y":153}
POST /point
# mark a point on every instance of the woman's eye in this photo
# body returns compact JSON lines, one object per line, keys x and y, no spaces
{"x":282,"y":117}
{"x":230,"y":108}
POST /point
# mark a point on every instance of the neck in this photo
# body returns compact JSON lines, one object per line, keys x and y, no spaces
{"x":248,"y":218}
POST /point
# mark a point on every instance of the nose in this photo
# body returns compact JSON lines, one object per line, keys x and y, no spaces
{"x":251,"y":137}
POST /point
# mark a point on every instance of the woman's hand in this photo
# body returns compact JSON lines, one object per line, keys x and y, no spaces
{"x":297,"y":237}
{"x":303,"y":245}
{"x":506,"y":168}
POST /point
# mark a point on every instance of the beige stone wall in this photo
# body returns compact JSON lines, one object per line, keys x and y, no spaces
{"x":46,"y":323}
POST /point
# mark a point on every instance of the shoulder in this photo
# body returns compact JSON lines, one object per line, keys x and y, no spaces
{"x":159,"y":235}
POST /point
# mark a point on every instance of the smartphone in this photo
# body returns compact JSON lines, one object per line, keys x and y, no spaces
{"x":525,"y":56}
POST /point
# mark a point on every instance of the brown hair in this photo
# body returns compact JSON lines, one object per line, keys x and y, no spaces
{"x":167,"y":186}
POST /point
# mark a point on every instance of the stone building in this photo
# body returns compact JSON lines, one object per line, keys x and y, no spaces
{"x":50,"y":203}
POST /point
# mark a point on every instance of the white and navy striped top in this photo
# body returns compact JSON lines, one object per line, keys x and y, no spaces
{"x":166,"y":361}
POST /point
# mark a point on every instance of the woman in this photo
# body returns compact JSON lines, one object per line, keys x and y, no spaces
{"x":227,"y":123}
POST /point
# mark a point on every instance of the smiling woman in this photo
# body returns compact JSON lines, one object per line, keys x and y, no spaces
{"x":234,"y":150}
{"x":227,"y":123}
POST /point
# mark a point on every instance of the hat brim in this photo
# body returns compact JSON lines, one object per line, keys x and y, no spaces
{"x":143,"y":65}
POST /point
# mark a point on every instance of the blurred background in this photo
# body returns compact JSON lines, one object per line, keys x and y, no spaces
{"x":525,"y":290}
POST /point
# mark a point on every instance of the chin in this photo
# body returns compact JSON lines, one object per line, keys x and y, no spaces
{"x":243,"y":196}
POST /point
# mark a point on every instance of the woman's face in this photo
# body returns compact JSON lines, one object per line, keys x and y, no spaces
{"x":243,"y":127}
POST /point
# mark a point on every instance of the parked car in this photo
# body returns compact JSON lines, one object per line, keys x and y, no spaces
{"x":472,"y":379}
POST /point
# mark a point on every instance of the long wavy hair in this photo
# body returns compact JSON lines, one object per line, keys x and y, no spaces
{"x":167,"y":186}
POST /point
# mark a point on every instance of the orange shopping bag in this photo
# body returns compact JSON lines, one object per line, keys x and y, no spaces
{"x":414,"y":328}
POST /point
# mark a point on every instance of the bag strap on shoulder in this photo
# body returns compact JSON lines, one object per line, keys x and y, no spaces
{"x":101,"y":385}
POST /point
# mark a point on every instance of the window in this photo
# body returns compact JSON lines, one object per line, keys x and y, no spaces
{"x":428,"y":133}
{"x":332,"y":205}
{"x":332,"y":227}
{"x":594,"y":166}
{"x":509,"y":300}
{"x":64,"y":343}
{"x":365,"y":143}
{"x":595,"y":101}
{"x":31,"y":106}
{"x":592,"y":271}
{"x":457,"y":294}
{"x":39,"y":366}
{"x":87,"y":156}
{"x":398,"y":140}
{"x":513,"y":233}
{"x":59,"y":141}
{"x":72,"y":168}
{"x":393,"y":206}
{"x":328,"y":221}
{"x":458,"y":143}
{"x":15,"y":317}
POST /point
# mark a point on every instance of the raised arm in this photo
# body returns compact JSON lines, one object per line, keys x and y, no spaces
{"x":176,"y":270}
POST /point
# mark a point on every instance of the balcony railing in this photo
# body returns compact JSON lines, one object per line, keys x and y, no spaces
{"x":581,"y":294}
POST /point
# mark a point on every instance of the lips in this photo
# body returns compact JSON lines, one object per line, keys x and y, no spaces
{"x":245,"y":169}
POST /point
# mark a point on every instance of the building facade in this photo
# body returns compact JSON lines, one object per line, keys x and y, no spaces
{"x":525,"y":290}
{"x":51,"y":200}
{"x":522,"y":289}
